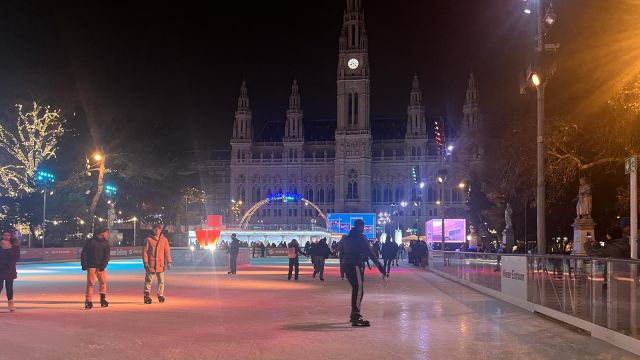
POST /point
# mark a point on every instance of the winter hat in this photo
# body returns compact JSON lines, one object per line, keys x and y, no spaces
{"x":625,"y":222}
{"x":99,"y":229}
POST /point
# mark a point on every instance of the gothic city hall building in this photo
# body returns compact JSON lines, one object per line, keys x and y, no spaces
{"x":353,"y":163}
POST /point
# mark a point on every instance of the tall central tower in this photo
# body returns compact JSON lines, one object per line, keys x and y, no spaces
{"x":353,"y":131}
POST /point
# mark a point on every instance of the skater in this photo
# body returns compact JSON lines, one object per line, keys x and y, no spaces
{"x":9,"y":255}
{"x":389,"y":252}
{"x":321,"y":252}
{"x":262,"y":249}
{"x":94,"y":258}
{"x":155,"y":254}
{"x":234,"y":249}
{"x":293,"y":252}
{"x":356,"y":250}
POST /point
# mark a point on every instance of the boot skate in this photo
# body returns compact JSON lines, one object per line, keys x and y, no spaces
{"x":160,"y":299}
{"x":358,"y":321}
{"x":103,"y":300}
{"x":12,"y":306}
{"x":147,"y":299}
{"x":88,"y":305}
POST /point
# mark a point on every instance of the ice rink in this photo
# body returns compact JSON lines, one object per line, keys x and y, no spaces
{"x":258,"y":314}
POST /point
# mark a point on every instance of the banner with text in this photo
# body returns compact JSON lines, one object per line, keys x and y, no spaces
{"x":513,"y":271}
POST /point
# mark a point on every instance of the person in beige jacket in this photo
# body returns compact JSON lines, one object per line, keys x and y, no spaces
{"x":155,"y":254}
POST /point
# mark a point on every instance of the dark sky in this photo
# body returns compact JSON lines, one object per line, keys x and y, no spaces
{"x":172,"y":70}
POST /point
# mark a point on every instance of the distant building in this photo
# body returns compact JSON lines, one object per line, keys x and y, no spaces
{"x":352,"y":163}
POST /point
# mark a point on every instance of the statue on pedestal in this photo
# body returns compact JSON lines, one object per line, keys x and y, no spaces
{"x":507,"y":216}
{"x":583,"y":207}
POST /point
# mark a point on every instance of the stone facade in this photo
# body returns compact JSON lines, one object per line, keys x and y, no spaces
{"x":353,"y":169}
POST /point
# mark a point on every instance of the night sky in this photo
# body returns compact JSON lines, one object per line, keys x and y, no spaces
{"x":172,"y":71}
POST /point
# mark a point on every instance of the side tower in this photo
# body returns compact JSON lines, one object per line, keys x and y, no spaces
{"x":293,"y":132}
{"x":353,"y":130}
{"x":241,"y":143}
{"x":471,"y":122}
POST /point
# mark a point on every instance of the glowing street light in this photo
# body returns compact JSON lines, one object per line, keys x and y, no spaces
{"x":45,"y":178}
{"x":461,"y":185}
{"x":535,"y":79}
{"x":97,"y":156}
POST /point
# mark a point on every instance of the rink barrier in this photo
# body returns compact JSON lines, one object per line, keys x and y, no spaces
{"x":570,"y":289}
{"x":36,"y":255}
{"x":181,"y":256}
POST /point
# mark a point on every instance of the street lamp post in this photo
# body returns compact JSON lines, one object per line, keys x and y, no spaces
{"x":545,"y":18}
{"x":44,"y":177}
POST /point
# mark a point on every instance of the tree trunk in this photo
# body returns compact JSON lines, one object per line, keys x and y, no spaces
{"x":96,"y":197}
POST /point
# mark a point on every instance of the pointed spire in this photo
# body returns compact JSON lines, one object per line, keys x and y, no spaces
{"x":416,"y":93}
{"x":472,"y":93}
{"x":243,"y":99}
{"x":294,"y":98}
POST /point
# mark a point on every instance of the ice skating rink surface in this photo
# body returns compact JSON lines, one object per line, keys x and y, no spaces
{"x":258,"y":314}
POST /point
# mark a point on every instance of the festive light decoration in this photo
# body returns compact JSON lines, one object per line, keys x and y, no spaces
{"x":439,"y":136}
{"x":110,"y":190}
{"x":33,"y":140}
{"x":285,"y":197}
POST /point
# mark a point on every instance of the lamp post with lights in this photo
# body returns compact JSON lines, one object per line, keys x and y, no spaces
{"x":44,"y":178}
{"x":537,"y":78}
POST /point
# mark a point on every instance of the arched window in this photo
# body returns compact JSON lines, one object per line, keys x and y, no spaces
{"x":399,"y":193}
{"x":352,"y":186}
{"x":355,"y":108}
{"x":255,"y":194}
{"x":388,"y":193}
{"x":308,"y":193}
{"x":331,"y":194}
{"x":320,"y":197}
{"x":431,"y":194}
{"x":293,"y":189}
{"x":375,"y":195}
{"x":419,"y":151}
{"x":350,"y":113}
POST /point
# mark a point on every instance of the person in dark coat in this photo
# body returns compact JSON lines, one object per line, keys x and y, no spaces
{"x":615,"y":246}
{"x":321,"y":252}
{"x":389,"y":252}
{"x":94,"y":258}
{"x":356,"y":250}
{"x":234,"y":249}
{"x":9,"y":255}
{"x":262,"y":249}
{"x":293,"y":250}
{"x":339,"y":250}
{"x":376,"y":248}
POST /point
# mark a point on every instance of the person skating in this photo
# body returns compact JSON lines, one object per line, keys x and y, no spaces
{"x":293,"y":251}
{"x":389,"y":252}
{"x":339,"y":246}
{"x":9,"y":255}
{"x":320,"y":253}
{"x":234,"y":249}
{"x":356,"y":250}
{"x":94,"y":258}
{"x":155,"y":255}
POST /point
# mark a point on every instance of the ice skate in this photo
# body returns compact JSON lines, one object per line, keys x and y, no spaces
{"x":147,"y":299}
{"x":103,"y":300}
{"x":160,"y":299}
{"x":88,"y":305}
{"x":359,"y":322}
{"x":11,"y":306}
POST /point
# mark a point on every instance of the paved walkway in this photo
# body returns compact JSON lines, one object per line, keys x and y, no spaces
{"x":258,"y":314}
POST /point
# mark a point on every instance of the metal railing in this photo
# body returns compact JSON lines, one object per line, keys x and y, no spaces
{"x":603,"y":291}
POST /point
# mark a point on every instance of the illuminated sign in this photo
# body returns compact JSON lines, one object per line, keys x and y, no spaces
{"x":341,"y":223}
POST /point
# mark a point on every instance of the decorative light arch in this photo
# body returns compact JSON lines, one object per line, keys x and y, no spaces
{"x":279,"y":196}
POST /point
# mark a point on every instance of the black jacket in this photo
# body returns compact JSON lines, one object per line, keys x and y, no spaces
{"x":617,"y":248}
{"x":389,"y":250}
{"x":322,"y":249}
{"x":234,"y":247}
{"x":95,"y":253}
{"x":356,"y":250}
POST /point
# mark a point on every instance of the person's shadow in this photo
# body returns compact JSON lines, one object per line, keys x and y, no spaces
{"x":339,"y":326}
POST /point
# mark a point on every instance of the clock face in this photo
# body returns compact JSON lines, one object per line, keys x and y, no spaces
{"x":353,"y":64}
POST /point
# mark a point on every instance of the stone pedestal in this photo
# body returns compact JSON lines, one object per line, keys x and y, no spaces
{"x":508,"y":239}
{"x":583,"y":230}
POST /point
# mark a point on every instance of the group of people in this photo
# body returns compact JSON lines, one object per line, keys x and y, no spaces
{"x":95,"y":256}
{"x":418,"y":253}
